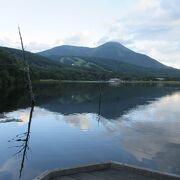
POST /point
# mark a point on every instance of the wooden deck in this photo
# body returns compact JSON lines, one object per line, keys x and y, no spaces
{"x":106,"y":171}
{"x":109,"y":174}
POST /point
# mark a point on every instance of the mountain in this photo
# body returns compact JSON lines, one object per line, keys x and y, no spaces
{"x":12,"y":68}
{"x":81,"y":63}
{"x":109,"y":50}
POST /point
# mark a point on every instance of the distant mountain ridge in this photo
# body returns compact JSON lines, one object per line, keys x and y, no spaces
{"x":81,"y":63}
{"x":109,"y":50}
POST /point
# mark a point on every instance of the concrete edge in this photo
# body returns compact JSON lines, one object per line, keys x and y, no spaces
{"x":144,"y":171}
{"x":49,"y":174}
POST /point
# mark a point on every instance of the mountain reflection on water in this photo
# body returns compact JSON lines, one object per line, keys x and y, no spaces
{"x":134,"y":124}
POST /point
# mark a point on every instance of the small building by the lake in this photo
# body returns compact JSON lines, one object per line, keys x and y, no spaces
{"x":160,"y":79}
{"x":115,"y":81}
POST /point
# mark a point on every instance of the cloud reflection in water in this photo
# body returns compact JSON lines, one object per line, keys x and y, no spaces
{"x":151,"y":132}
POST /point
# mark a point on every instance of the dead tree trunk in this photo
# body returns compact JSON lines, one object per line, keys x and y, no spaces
{"x":27,"y":70}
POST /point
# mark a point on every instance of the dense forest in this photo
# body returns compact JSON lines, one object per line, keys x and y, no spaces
{"x":12,"y":69}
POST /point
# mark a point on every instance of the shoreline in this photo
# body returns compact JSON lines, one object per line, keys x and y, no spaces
{"x":109,"y":82}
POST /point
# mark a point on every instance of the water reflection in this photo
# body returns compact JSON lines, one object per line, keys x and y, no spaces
{"x":99,"y":103}
{"x":113,"y":101}
{"x":84,"y":98}
{"x":152,"y":132}
{"x":87,"y":123}
{"x":24,"y":140}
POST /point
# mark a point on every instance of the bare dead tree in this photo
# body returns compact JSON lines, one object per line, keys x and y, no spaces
{"x":24,"y":147}
{"x":27,"y":70}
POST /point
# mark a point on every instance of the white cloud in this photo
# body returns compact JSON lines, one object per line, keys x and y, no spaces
{"x":147,"y":26}
{"x":150,"y":27}
{"x":81,"y":38}
{"x":5,"y":41}
{"x":35,"y":46}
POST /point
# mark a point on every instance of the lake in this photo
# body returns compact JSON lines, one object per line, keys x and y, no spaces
{"x":74,"y":124}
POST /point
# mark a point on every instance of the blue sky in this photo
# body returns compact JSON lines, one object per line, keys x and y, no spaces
{"x":151,"y":27}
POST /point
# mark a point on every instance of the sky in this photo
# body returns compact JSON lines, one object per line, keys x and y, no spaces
{"x":151,"y":27}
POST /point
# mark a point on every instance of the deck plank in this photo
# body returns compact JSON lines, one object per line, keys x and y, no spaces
{"x":86,"y":176}
{"x":109,"y":174}
{"x":112,"y":174}
{"x":106,"y":171}
{"x":64,"y":178}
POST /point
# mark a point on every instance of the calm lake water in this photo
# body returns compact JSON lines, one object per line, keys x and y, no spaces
{"x":74,"y":124}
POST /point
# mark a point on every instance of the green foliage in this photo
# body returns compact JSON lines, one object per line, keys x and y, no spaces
{"x":72,"y":68}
